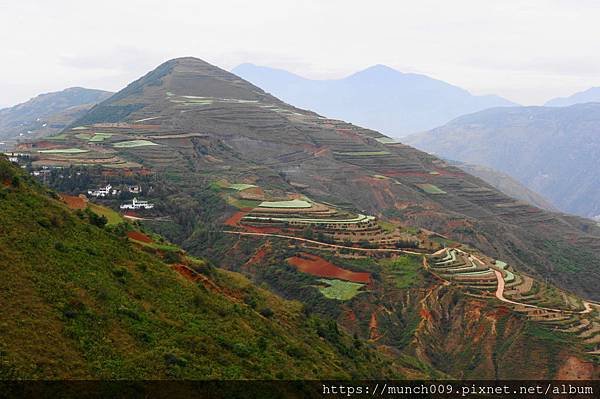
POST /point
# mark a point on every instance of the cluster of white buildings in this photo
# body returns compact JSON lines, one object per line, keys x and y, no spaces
{"x":137,"y":204}
{"x":108,"y":190}
{"x":104,"y":191}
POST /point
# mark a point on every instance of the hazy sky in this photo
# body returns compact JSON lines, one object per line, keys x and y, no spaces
{"x":527,"y":51}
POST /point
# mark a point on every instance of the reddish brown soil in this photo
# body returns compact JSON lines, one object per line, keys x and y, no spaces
{"x":259,"y":255}
{"x":6,"y":183}
{"x":373,"y":326}
{"x":426,"y":314}
{"x":185,"y":272}
{"x":74,"y":202}
{"x":267,"y":230}
{"x":577,"y":369}
{"x":137,"y":236}
{"x":234,"y":220}
{"x":320,"y":267}
{"x":252,"y":193}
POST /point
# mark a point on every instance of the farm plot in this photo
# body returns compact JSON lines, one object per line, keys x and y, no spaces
{"x":431,"y":188}
{"x":64,"y":151}
{"x":340,"y":290}
{"x":317,"y":266}
{"x":296,"y":203}
{"x":386,"y":140}
{"x":134,"y":144}
{"x":99,"y":137}
{"x":241,"y":186}
{"x":74,"y":202}
{"x":364,"y":153}
{"x":113,"y":217}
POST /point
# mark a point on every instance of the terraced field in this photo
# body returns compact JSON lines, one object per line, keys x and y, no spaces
{"x":340,"y":290}
{"x":64,"y":151}
{"x":553,"y":308}
{"x":133,"y":144}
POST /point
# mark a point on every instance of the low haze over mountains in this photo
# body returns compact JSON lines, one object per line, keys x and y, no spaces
{"x":552,"y":151}
{"x":378,"y":97}
{"x":48,"y":113}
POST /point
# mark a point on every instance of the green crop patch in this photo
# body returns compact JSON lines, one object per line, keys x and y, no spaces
{"x":241,"y":186}
{"x":386,"y":140}
{"x":64,"y":151}
{"x":431,"y":188}
{"x":83,"y":136}
{"x":296,"y":203}
{"x":98,"y":137}
{"x":363,"y":153}
{"x":340,"y":290}
{"x":133,"y":144}
{"x":406,"y":270}
{"x":111,"y":216}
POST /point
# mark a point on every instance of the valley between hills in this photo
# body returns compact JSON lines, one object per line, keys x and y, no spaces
{"x":397,"y":263}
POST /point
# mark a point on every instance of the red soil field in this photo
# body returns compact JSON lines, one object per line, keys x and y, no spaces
{"x":235,"y":219}
{"x":185,"y":272}
{"x":425,"y":314}
{"x":74,"y":202}
{"x":137,"y":236}
{"x":267,"y":230}
{"x":259,"y":255}
{"x":320,"y":267}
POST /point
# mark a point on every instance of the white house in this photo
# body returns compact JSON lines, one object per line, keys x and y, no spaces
{"x":134,"y":189}
{"x":137,"y":204}
{"x":103,"y":191}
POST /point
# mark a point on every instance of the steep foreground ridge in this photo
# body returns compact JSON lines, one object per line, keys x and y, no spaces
{"x":82,"y":301}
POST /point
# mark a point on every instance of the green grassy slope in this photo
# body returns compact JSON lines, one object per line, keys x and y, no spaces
{"x":80,"y":301}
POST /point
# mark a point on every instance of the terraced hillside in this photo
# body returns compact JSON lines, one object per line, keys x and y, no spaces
{"x":260,"y":186}
{"x":210,"y":124}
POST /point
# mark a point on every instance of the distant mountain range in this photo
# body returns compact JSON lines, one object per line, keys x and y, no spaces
{"x":587,"y":96}
{"x":552,"y":151}
{"x":48,"y":113}
{"x":378,"y":97}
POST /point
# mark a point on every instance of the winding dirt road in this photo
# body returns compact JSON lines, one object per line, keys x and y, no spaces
{"x":500,"y":296}
{"x":244,"y":233}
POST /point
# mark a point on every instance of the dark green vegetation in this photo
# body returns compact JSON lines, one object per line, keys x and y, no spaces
{"x":550,"y":150}
{"x":80,"y":301}
{"x":48,"y":113}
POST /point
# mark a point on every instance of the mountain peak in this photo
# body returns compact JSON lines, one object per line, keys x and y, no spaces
{"x":587,"y":96}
